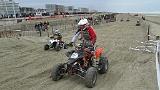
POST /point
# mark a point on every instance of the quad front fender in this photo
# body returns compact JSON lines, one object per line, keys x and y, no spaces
{"x":98,"y":52}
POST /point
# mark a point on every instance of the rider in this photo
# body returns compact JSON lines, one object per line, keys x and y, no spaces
{"x":57,"y":33}
{"x":87,"y":33}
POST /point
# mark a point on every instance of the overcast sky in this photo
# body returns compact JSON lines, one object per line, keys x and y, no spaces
{"x":100,"y":5}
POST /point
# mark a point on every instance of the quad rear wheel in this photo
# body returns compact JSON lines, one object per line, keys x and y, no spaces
{"x":65,"y":46}
{"x":58,"y":48}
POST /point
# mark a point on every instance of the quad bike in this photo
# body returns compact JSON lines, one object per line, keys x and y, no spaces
{"x":85,"y":62}
{"x":127,"y":20}
{"x":55,"y":43}
{"x":138,"y":23}
{"x":121,"y":20}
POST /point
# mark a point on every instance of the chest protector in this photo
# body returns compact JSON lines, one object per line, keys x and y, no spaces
{"x":85,"y":34}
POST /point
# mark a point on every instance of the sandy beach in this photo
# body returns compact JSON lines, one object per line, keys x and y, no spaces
{"x":24,"y":65}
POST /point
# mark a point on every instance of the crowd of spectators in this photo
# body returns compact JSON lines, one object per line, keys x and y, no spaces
{"x":42,"y":26}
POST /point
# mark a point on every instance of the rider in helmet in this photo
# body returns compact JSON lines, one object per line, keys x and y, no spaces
{"x":57,"y":33}
{"x":86,"y":31}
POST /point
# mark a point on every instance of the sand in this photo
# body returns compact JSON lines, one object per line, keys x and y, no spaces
{"x":24,"y":65}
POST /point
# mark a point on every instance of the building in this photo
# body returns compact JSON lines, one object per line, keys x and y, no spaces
{"x":69,"y":9}
{"x":93,"y":11}
{"x":50,"y":8}
{"x":60,"y":9}
{"x":75,"y":11}
{"x":40,"y":12}
{"x":26,"y":11}
{"x":9,"y":8}
{"x":2,"y":8}
{"x":83,"y":10}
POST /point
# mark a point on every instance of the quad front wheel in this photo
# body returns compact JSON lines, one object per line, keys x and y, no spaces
{"x":91,"y":77}
{"x":46,"y":47}
{"x":103,"y":65}
{"x":58,"y":72}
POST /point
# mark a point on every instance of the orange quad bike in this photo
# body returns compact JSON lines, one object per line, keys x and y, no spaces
{"x":85,"y":62}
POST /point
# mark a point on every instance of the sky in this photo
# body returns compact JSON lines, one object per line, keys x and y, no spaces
{"x":100,"y":5}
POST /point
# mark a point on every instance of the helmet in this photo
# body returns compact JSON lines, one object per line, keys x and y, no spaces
{"x":57,"y":31}
{"x":83,"y":21}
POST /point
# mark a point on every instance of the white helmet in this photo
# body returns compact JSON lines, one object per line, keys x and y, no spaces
{"x":83,"y":22}
{"x":57,"y":31}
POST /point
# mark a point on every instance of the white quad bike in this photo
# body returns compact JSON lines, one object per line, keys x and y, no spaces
{"x":55,"y":43}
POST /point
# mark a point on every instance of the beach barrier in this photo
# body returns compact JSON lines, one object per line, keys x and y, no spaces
{"x":148,"y":32}
{"x":28,"y":27}
{"x":158,"y":63}
{"x":147,"y":46}
{"x":10,"y":33}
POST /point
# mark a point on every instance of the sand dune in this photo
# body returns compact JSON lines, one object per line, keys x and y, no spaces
{"x":24,"y":65}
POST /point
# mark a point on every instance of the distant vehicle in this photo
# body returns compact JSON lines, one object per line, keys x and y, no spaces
{"x":135,"y":14}
{"x":56,"y":44}
{"x":138,"y":23}
{"x":110,"y":17}
{"x":38,"y":14}
{"x":14,"y":16}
